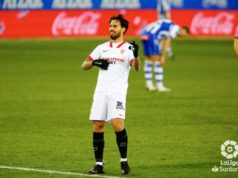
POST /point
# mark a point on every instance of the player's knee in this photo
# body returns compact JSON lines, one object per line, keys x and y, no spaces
{"x":98,"y":126}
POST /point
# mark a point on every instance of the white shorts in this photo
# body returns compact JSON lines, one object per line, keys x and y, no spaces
{"x":107,"y":106}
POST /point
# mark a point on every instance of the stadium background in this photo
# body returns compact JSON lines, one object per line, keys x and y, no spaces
{"x":45,"y":97}
{"x":58,"y":18}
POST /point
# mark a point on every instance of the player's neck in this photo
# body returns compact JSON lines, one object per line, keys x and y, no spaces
{"x":118,"y":40}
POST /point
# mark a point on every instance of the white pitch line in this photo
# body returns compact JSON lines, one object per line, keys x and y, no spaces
{"x":54,"y":172}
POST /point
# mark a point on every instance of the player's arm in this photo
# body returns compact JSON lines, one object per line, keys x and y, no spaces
{"x":87,"y":64}
{"x":164,"y":45}
{"x":136,"y":64}
{"x":136,"y":61}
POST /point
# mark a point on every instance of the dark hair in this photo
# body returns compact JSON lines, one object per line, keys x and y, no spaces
{"x":186,"y":29}
{"x":123,"y":21}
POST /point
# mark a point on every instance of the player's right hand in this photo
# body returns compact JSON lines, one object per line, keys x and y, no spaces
{"x":103,"y":64}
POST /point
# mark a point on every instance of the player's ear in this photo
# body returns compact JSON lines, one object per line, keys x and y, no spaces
{"x":123,"y":30}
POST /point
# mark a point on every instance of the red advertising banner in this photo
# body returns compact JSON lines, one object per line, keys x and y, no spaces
{"x":207,"y":22}
{"x":80,"y":23}
{"x":72,"y":23}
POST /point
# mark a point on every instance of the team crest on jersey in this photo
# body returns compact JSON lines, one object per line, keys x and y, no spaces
{"x":122,"y":51}
{"x":120,"y":105}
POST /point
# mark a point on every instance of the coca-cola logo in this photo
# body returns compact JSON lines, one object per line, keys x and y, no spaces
{"x":219,"y":24}
{"x":85,"y":24}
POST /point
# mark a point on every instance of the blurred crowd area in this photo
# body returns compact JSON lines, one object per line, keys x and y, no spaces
{"x":85,"y":18}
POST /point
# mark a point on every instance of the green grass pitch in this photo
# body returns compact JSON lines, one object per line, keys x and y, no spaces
{"x":45,"y":100}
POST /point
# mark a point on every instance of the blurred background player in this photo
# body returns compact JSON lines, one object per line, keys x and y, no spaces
{"x":156,"y":38}
{"x":164,"y":12}
{"x":236,"y":40}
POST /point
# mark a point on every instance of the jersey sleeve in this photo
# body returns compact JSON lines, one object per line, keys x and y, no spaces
{"x":174,"y":31}
{"x":95,"y":54}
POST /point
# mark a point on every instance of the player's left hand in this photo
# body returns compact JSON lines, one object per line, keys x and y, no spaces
{"x":135,"y":48}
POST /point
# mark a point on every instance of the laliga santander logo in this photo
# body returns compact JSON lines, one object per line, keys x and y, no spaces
{"x":229,"y":149}
{"x":221,"y":24}
{"x":84,"y":24}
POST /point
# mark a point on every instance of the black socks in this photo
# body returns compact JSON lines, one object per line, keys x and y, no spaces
{"x":98,"y":146}
{"x":122,"y":143}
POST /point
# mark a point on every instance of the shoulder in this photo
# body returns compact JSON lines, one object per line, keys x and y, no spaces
{"x":168,"y":25}
{"x":102,"y":45}
{"x":174,"y":31}
{"x":126,"y":45}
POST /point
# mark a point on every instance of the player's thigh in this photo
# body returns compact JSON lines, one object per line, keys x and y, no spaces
{"x":156,"y":58}
{"x":153,"y":58}
{"x":151,"y":48}
{"x":149,"y":58}
{"x":148,"y":47}
{"x":117,"y":106}
{"x":99,"y":107}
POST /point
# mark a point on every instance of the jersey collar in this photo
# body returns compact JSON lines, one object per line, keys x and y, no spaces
{"x":118,"y":46}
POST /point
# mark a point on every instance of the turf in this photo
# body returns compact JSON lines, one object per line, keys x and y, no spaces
{"x":45,"y":100}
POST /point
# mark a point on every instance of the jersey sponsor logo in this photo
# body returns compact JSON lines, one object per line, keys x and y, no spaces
{"x":105,"y":50}
{"x":113,"y":60}
{"x":120,"y":105}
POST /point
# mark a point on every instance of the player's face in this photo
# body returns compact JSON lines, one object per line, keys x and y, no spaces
{"x":115,"y":29}
{"x":183,"y":32}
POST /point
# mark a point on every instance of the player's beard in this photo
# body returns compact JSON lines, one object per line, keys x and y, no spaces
{"x":114,"y":36}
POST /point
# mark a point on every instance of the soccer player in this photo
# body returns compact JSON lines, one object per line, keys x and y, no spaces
{"x":114,"y":59}
{"x":163,"y":11}
{"x":156,"y":37}
{"x":236,"y":41}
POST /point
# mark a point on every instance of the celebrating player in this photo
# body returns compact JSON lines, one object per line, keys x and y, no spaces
{"x":114,"y":59}
{"x":156,"y":37}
